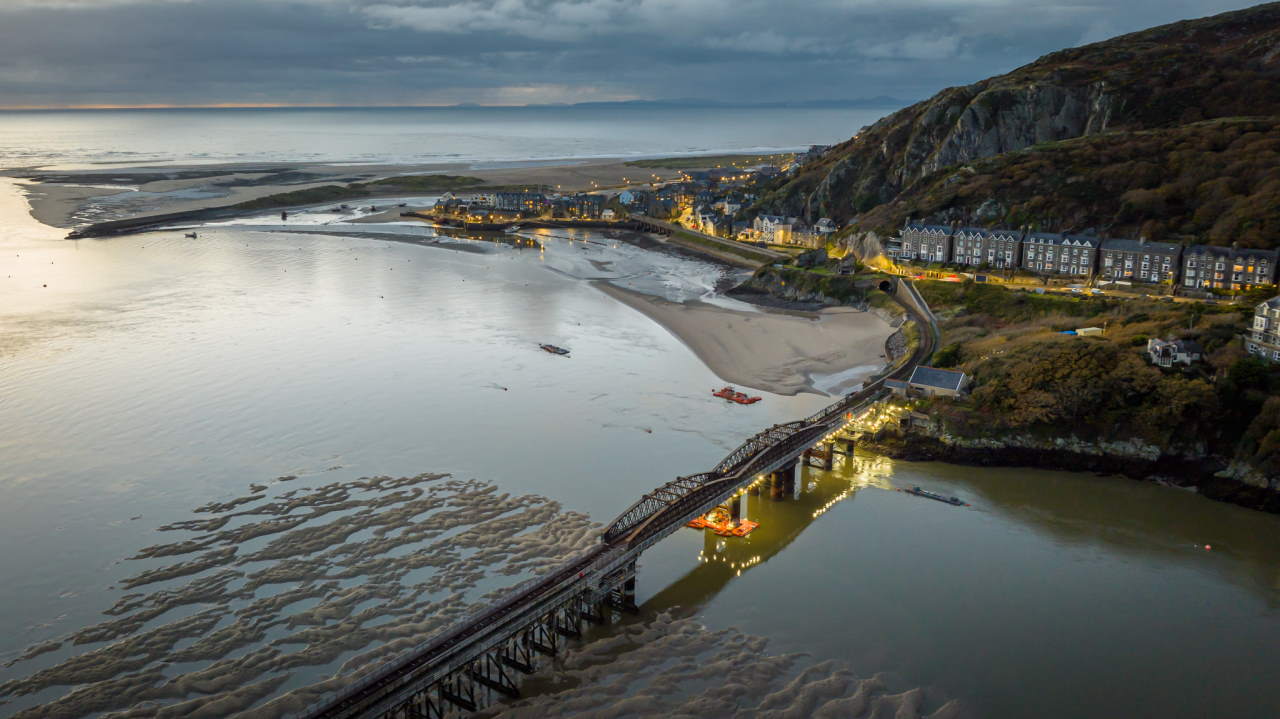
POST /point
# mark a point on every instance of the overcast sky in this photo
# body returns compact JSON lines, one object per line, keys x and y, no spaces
{"x":430,"y":52}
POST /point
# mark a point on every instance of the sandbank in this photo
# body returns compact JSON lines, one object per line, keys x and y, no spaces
{"x":776,"y":352}
{"x":80,"y":196}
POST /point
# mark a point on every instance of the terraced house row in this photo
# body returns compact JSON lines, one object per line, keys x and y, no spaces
{"x":1199,"y":267}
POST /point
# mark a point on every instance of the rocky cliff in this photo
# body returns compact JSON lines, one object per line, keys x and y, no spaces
{"x":803,"y":289}
{"x":1218,"y":67}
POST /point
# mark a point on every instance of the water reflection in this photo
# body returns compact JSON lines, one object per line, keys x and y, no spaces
{"x":1138,"y":520}
{"x":782,"y":518}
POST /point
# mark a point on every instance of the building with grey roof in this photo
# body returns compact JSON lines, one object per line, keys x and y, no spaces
{"x":1059,"y":254}
{"x":935,"y":382}
{"x":1167,"y":353}
{"x":1139,"y":260}
{"x":924,"y":243}
{"x":1227,"y":268}
{"x":993,"y":248}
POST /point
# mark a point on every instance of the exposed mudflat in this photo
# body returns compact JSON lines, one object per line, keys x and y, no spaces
{"x":266,"y":602}
{"x":674,"y":667}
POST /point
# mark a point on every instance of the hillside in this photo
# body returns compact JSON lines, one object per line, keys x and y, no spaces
{"x":1094,"y":403}
{"x":1143,"y":98}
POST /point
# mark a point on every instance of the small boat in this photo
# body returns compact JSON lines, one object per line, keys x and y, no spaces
{"x":956,"y":501}
{"x":729,"y":393}
{"x":554,"y":350}
{"x":190,"y":235}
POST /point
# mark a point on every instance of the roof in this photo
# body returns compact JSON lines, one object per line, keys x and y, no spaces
{"x":928,"y":228}
{"x":1188,"y":346}
{"x":895,"y":383}
{"x":1180,"y":346}
{"x":1046,"y":238}
{"x":1218,"y":250}
{"x":1273,"y":303}
{"x":983,"y":232}
{"x":940,"y":378}
{"x":1139,"y":245}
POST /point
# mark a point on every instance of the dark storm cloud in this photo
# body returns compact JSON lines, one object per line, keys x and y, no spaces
{"x":87,"y":52}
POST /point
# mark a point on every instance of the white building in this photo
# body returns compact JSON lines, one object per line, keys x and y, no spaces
{"x":1264,"y":337}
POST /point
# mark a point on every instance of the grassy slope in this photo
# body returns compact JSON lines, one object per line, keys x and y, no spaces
{"x":1029,"y":378}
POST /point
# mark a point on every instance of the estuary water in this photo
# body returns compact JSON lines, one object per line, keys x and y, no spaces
{"x":185,"y":425}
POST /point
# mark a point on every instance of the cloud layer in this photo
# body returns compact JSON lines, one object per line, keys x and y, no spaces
{"x":125,"y":52}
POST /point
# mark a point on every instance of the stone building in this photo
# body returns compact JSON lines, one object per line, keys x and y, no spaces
{"x":1207,"y":267}
{"x":1139,"y":260}
{"x":994,"y":248}
{"x":1054,"y":254}
{"x":924,"y":243}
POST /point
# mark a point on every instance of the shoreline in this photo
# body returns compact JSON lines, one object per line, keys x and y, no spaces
{"x":67,"y":199}
{"x":1201,"y":476}
{"x":774,"y":352}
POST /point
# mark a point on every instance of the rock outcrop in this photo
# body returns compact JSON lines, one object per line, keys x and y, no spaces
{"x":1211,"y":476}
{"x":1223,"y":66}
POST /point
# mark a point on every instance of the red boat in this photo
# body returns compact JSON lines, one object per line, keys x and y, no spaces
{"x":729,"y":393}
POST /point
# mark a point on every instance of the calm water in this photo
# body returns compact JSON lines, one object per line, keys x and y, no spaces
{"x":143,"y":376}
{"x":409,"y":135}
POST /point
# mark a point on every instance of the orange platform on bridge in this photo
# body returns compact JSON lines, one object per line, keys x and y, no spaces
{"x":725,"y":529}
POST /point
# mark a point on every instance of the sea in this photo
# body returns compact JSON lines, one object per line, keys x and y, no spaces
{"x":480,"y":136}
{"x":236,"y":470}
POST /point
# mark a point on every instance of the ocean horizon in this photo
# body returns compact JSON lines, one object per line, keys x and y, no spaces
{"x":464,"y":135}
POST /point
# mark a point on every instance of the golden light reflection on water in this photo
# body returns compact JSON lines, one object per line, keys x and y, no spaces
{"x":782,"y":519}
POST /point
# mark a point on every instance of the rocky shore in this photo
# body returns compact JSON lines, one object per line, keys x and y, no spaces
{"x":1211,"y":477}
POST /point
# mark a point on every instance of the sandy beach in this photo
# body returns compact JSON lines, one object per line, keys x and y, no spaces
{"x":104,"y":194}
{"x":772,"y":351}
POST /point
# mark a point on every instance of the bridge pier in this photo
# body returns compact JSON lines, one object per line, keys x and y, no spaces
{"x":782,"y":482}
{"x":629,"y":590}
{"x":823,"y":453}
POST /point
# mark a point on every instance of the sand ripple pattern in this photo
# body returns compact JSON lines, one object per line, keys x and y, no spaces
{"x":672,"y":666}
{"x":268,"y":601}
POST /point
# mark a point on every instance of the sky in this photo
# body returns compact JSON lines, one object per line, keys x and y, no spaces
{"x":77,"y":53}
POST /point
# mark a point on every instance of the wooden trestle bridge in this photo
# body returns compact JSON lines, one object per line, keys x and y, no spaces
{"x":486,"y":652}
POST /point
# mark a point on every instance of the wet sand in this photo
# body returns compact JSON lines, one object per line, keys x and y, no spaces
{"x":290,"y":593}
{"x":774,"y":351}
{"x":66,"y":205}
{"x":317,"y":583}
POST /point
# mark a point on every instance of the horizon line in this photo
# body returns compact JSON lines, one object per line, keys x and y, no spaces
{"x":326,"y":106}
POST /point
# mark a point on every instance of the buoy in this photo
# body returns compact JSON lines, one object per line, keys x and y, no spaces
{"x":1207,"y":547}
